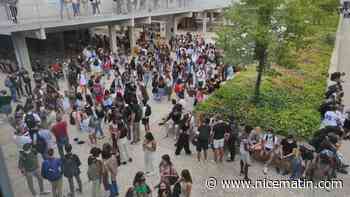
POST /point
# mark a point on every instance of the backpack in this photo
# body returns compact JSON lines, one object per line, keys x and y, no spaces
{"x":93,"y":122}
{"x":70,"y":166}
{"x":177,"y":190}
{"x":148,"y":111}
{"x":41,"y":144}
{"x":72,"y":119}
{"x":93,"y":171}
{"x":138,"y":112}
{"x":52,"y":169}
{"x":30,"y":121}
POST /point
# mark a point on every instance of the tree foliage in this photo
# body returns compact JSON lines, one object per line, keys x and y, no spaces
{"x":298,"y":38}
{"x":264,"y":32}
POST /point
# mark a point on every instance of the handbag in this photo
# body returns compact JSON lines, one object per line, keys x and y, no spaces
{"x":173,"y":177}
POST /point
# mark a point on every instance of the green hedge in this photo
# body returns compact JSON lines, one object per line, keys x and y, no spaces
{"x":290,"y":98}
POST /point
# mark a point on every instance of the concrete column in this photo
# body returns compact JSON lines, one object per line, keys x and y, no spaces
{"x":205,"y":25}
{"x":169,"y":27}
{"x":21,"y":50}
{"x":112,"y":39}
{"x":5,"y":182}
{"x":163,"y":30}
{"x":132,"y":37}
{"x":211,"y":17}
{"x":176,"y":22}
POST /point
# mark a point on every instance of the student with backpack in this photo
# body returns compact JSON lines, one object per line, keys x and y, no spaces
{"x":51,"y":170}
{"x":94,"y":172}
{"x":28,"y":164}
{"x":71,"y":164}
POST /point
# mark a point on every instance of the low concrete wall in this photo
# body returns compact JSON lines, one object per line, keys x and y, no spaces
{"x":333,"y":67}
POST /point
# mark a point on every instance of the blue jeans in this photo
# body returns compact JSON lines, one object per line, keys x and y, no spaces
{"x":146,"y":78}
{"x":113,"y":188}
{"x":296,"y":169}
{"x":13,"y":94}
{"x":98,"y":128}
{"x":95,"y":8}
{"x":76,"y":8}
{"x":61,"y":142}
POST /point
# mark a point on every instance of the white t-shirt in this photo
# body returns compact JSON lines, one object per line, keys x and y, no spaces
{"x":270,"y":140}
{"x":330,"y":119}
{"x":21,"y":140}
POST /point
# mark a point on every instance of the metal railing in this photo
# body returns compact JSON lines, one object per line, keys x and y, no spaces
{"x":36,"y":11}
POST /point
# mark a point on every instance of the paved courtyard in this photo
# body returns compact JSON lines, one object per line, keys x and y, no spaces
{"x":200,"y":171}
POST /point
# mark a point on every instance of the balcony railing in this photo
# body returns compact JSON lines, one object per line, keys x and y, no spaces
{"x":27,"y":12}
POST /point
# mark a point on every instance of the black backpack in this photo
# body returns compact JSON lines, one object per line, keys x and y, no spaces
{"x":148,"y":111}
{"x":30,"y":121}
{"x":41,"y":144}
{"x":70,"y":165}
{"x":71,"y":119}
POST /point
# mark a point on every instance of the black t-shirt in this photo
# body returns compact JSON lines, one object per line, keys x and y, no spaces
{"x":100,"y":114}
{"x":219,"y":130}
{"x":287,"y":147}
{"x":306,"y":155}
{"x":123,"y":132}
{"x":204,"y":132}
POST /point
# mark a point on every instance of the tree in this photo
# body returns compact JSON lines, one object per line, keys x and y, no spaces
{"x":264,"y":32}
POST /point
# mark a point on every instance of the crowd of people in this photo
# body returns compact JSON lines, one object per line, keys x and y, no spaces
{"x":109,"y":95}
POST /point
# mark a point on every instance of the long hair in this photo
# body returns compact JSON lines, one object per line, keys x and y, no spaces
{"x":186,"y":175}
{"x":166,"y":158}
{"x":137,"y":178}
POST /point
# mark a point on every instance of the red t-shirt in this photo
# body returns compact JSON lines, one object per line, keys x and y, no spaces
{"x":60,"y":130}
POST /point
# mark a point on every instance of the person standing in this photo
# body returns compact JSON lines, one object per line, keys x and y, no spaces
{"x":60,"y":132}
{"x":110,"y":164}
{"x":95,"y":7}
{"x":167,"y":171}
{"x":10,"y":85}
{"x":147,"y":113}
{"x":64,"y":8}
{"x":139,"y":187}
{"x":95,"y":171}
{"x":13,"y":9}
{"x":184,"y":137}
{"x":51,"y":169}
{"x":244,"y":152}
{"x":219,"y":130}
{"x":185,"y":183}
{"x":100,"y":115}
{"x":122,"y":142}
{"x":28,"y":164}
{"x":82,"y":82}
{"x":27,"y":83}
{"x":76,"y":7}
{"x":149,"y":148}
{"x":136,"y":117}
{"x":71,"y":164}
{"x":18,"y":83}
{"x":232,"y":139}
{"x":203,"y":136}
